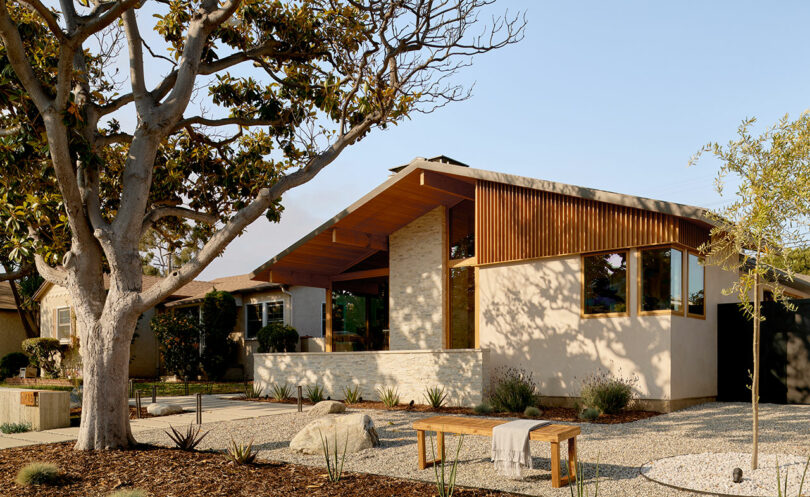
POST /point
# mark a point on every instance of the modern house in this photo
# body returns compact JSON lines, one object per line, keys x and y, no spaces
{"x":12,"y":332}
{"x":259,"y":303}
{"x":444,"y":273}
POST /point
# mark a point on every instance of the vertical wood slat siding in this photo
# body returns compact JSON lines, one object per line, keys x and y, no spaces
{"x":515,"y":223}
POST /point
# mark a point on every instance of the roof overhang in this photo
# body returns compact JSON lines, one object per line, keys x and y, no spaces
{"x":362,"y":229}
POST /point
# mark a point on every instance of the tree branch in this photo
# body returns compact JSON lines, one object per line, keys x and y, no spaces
{"x":105,"y":140}
{"x":49,"y":18}
{"x":228,"y":121}
{"x":15,"y":275}
{"x":156,"y":214}
{"x":101,"y":18}
{"x":15,"y":51}
{"x":55,"y":275}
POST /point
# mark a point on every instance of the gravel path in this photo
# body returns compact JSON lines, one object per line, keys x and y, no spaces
{"x":622,"y":449}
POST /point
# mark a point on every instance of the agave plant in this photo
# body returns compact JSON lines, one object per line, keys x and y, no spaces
{"x":581,"y":488}
{"x":334,"y":460}
{"x":435,"y":396}
{"x":446,"y":487}
{"x":314,"y":393}
{"x":779,"y":482}
{"x":389,"y":396}
{"x":252,"y":391}
{"x":240,"y":453}
{"x":281,"y":392}
{"x":351,"y":395}
{"x":188,"y":440}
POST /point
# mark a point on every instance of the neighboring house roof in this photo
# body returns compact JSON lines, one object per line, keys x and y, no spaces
{"x":232,"y":284}
{"x":401,"y":197}
{"x":6,"y":297}
{"x":192,"y":288}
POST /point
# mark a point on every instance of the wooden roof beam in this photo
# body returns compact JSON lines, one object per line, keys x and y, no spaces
{"x":358,"y":275}
{"x":287,"y":277}
{"x":344,"y":236}
{"x":446,"y":184}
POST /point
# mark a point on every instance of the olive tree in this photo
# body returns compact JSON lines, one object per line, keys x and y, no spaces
{"x":755,"y":233}
{"x":257,"y":98}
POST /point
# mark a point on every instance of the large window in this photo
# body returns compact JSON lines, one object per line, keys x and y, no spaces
{"x":661,"y":280}
{"x":63,"y":323}
{"x":262,"y":314}
{"x":360,"y":316}
{"x":604,"y":284}
{"x":462,"y":308}
{"x":462,"y":230}
{"x":696,"y":305}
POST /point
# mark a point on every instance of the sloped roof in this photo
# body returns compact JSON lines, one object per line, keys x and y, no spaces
{"x":6,"y":297}
{"x":233,"y":284}
{"x":192,"y":288}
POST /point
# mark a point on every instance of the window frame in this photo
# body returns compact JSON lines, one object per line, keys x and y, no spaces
{"x":263,"y":304}
{"x":56,"y":324}
{"x":628,"y":263}
{"x":684,"y":280}
{"x":686,"y":283}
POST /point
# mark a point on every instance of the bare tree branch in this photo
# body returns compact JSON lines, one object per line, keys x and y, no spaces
{"x":156,"y":214}
{"x":105,"y":140}
{"x":15,"y":275}
{"x":10,"y":131}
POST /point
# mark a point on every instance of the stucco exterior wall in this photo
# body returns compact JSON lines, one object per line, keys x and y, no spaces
{"x":12,"y":332}
{"x":417,"y":283}
{"x":57,"y":297}
{"x":530,"y":318}
{"x":52,"y":409}
{"x":247,"y":348}
{"x":461,"y":372}
{"x":306,"y":310}
{"x":144,"y":352}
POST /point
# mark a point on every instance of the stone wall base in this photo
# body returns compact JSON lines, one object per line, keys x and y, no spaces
{"x":657,"y":405}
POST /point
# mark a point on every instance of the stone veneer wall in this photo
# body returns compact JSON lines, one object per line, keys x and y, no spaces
{"x":461,"y":372}
{"x":417,"y":283}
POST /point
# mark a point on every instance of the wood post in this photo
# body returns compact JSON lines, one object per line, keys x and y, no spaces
{"x":420,"y":444}
{"x":555,"y":465}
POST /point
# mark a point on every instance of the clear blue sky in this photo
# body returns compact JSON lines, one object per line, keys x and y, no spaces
{"x":615,"y":96}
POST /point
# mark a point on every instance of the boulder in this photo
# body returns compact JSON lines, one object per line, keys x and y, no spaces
{"x":327,"y":407}
{"x":354,"y":431}
{"x":160,"y":409}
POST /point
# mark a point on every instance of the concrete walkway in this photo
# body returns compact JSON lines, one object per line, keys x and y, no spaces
{"x":215,"y":408}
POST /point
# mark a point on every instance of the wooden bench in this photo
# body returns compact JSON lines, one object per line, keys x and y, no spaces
{"x":552,"y":433}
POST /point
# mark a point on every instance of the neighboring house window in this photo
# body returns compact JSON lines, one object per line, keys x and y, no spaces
{"x":661,"y":280}
{"x":696,"y":305}
{"x":262,"y":314}
{"x":63,"y":323}
{"x":604,"y":284}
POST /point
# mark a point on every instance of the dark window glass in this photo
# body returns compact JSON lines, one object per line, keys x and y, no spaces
{"x":253,"y":319}
{"x":605,"y":281}
{"x":694,"y":289}
{"x":462,"y":230}
{"x":661,"y":280}
{"x":323,"y":319}
{"x":360,"y":320}
{"x":462,"y":308}
{"x":275,"y":312}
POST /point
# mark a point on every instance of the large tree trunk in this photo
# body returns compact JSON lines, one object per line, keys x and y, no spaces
{"x":105,"y":365}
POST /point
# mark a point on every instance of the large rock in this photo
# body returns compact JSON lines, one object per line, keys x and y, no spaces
{"x":160,"y":409}
{"x":325,"y":407}
{"x":354,"y":431}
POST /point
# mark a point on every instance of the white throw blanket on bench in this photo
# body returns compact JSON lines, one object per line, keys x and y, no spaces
{"x":510,"y":446}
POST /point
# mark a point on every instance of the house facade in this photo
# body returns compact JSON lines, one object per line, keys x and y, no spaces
{"x":445,"y":273}
{"x":259,"y":303}
{"x":12,"y":332}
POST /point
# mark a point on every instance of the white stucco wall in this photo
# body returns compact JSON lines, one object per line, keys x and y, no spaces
{"x":530,"y":318}
{"x":461,"y":372}
{"x":306,"y":310}
{"x":12,"y":332}
{"x":417,"y":283}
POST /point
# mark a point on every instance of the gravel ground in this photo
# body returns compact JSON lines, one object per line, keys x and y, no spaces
{"x":709,"y":472}
{"x":622,"y":449}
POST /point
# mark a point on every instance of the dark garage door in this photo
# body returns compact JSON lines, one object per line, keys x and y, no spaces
{"x":785,"y":354}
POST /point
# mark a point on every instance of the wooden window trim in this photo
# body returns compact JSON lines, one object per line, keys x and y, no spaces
{"x":686,"y":296}
{"x":469,"y":261}
{"x":582,"y":313}
{"x":662,"y":312}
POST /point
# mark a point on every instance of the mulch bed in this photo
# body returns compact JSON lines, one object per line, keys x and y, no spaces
{"x":565,"y":414}
{"x":171,"y":472}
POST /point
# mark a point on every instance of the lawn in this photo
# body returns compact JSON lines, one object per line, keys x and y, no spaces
{"x":165,"y":389}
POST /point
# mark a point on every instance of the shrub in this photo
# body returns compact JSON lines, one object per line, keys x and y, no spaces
{"x":43,"y":353}
{"x":281,"y":392}
{"x":589,"y":413}
{"x":277,"y":337}
{"x":435,"y":396}
{"x":608,"y":393}
{"x":179,"y":338}
{"x":8,"y":428}
{"x":11,"y":364}
{"x":314,"y":393}
{"x":218,"y":321}
{"x":130,"y":492}
{"x":483,"y":408}
{"x":240,"y":453}
{"x":532,"y":412}
{"x":513,"y":390}
{"x":389,"y":396}
{"x":351,"y":396}
{"x":188,"y":440}
{"x":38,"y":473}
{"x":334,"y":470}
{"x":70,"y":366}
